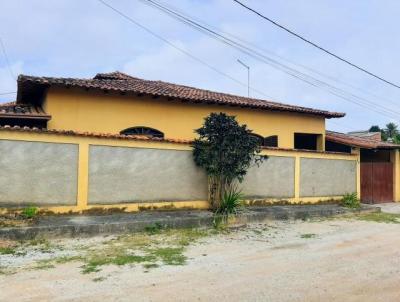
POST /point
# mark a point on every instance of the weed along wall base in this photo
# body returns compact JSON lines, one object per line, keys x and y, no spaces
{"x":65,"y":172}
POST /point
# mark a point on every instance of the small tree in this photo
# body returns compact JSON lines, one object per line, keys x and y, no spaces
{"x":225,"y":150}
{"x":375,"y":128}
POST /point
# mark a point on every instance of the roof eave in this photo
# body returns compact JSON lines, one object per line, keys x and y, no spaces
{"x":25,"y":116}
{"x":38,"y":86}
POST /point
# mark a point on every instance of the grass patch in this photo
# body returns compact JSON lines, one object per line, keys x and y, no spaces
{"x":98,"y":279}
{"x":154,"y":246}
{"x":170,"y":255}
{"x":66,"y":259}
{"x":44,"y":264}
{"x":29,"y":212}
{"x":308,"y":236}
{"x":94,"y":264}
{"x":381,"y":217}
{"x":7,"y":251}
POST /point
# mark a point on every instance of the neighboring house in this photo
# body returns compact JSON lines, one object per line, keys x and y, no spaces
{"x":119,"y":141}
{"x":379,"y":168}
{"x":367,"y":134}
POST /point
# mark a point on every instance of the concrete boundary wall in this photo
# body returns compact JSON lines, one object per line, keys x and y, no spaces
{"x":79,"y":173}
{"x":327,"y":177}
{"x":123,"y":174}
{"x":273,"y":178}
{"x":38,"y":173}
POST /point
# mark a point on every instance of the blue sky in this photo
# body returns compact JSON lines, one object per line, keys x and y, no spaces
{"x":72,"y":38}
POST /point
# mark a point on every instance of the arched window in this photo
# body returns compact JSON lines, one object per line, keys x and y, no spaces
{"x":271,"y":141}
{"x":143,"y":131}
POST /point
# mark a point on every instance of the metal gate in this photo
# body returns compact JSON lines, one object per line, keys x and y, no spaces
{"x":376,"y":182}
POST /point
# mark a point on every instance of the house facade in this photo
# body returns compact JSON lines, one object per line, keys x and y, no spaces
{"x":115,"y":102}
{"x":118,"y":141}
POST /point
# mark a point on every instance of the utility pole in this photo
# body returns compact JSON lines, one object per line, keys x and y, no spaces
{"x":248,"y":76}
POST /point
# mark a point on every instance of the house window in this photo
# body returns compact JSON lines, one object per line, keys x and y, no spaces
{"x":307,"y":141}
{"x":271,"y":141}
{"x":143,"y":131}
{"x":336,"y":147}
{"x":259,"y":138}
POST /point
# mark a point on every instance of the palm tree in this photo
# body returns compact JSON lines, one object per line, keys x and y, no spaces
{"x":391,"y":131}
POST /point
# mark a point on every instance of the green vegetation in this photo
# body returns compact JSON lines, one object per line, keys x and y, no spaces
{"x":121,"y":259}
{"x":153,"y":228}
{"x":308,"y":236}
{"x":7,"y":251}
{"x":163,"y":246}
{"x":44,"y":264}
{"x":389,"y":133}
{"x":381,"y":217}
{"x":231,"y":202}
{"x":351,"y":201}
{"x":226,"y":150}
{"x":30,"y":212}
{"x":170,"y":255}
{"x":150,"y":249}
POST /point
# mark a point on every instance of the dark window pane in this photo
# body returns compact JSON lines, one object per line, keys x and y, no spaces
{"x":259,"y":138}
{"x":143,"y":131}
{"x":271,"y":141}
{"x":305,"y":141}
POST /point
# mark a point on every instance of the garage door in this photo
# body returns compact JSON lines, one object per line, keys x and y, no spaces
{"x":376,"y":182}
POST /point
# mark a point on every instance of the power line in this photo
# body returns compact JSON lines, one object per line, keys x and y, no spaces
{"x":301,"y":76}
{"x":178,"y":48}
{"x":6,"y":59}
{"x":316,"y":45}
{"x":312,"y":70}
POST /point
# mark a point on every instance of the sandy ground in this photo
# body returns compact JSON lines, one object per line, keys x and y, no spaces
{"x":331,"y":260}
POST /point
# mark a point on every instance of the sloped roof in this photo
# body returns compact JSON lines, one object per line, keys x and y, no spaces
{"x":14,"y":110}
{"x":28,"y":87}
{"x":361,"y":142}
{"x":367,"y":134}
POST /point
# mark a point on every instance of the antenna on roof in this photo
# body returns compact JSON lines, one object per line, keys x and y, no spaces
{"x":248,"y":76}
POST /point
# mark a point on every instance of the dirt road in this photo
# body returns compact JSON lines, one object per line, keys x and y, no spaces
{"x":331,"y":260}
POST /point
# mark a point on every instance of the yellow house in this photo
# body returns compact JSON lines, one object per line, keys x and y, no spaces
{"x":119,"y":141}
{"x":117,"y":103}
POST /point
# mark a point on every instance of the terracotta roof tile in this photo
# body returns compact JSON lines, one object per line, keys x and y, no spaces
{"x":120,"y":82}
{"x":361,"y":142}
{"x":11,"y":109}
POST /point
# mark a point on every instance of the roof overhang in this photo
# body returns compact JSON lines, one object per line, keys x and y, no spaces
{"x":358,"y":142}
{"x":32,"y":90}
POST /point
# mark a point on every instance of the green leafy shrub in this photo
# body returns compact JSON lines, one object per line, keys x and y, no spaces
{"x":225,"y":150}
{"x":29,"y":213}
{"x":351,"y":201}
{"x":231,"y":202}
